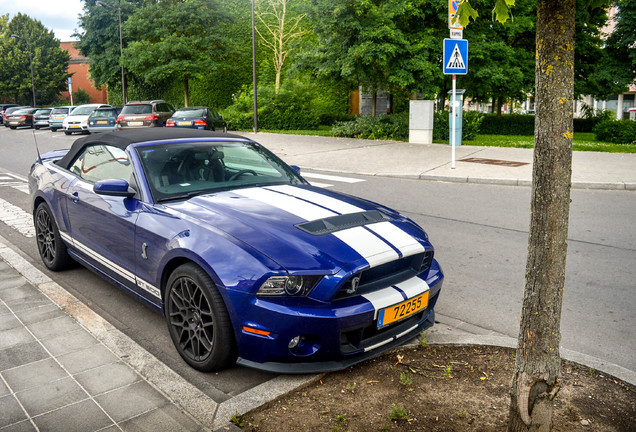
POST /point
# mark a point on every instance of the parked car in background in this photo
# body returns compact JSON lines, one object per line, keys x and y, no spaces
{"x":9,"y":111}
{"x":103,"y":119}
{"x":4,"y":107}
{"x":144,"y":114}
{"x":21,"y":117}
{"x":41,"y":118}
{"x":57,"y":116}
{"x":77,"y":120}
{"x":197,"y":118}
{"x":246,"y":260}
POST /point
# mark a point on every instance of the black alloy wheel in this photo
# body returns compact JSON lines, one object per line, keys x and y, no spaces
{"x":198,"y":321}
{"x":50,"y":246}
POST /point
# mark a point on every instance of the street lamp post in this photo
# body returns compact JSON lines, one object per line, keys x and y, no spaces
{"x":254,"y":71}
{"x":121,"y":48}
{"x":14,"y":36}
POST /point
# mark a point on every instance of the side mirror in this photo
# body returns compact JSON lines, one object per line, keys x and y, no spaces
{"x":113,"y":187}
{"x":295,"y":168}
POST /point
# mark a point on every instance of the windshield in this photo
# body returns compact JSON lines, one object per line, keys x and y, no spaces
{"x":189,"y":113}
{"x":137,"y":109}
{"x":83,"y":110}
{"x":182,"y":170}
{"x":42,"y":112}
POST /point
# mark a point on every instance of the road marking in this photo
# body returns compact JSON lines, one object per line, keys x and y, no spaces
{"x":14,"y":181}
{"x":331,"y":178}
{"x":17,"y":218}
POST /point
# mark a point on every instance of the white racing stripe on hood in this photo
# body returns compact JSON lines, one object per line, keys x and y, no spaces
{"x":372,"y":248}
{"x":402,"y":241}
{"x":319,"y":199}
{"x":300,"y":208}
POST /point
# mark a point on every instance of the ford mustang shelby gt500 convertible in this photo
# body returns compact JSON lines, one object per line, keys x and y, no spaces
{"x":247,"y":261}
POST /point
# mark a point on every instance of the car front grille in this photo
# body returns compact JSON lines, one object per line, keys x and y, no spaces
{"x":386,"y":275}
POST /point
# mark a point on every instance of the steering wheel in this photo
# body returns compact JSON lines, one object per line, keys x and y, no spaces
{"x":241,"y":172}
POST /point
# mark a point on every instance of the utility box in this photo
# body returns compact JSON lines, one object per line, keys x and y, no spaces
{"x":458,"y":105}
{"x":421,"y":121}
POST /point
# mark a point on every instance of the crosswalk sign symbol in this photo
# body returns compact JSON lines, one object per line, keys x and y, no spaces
{"x":455,"y":56}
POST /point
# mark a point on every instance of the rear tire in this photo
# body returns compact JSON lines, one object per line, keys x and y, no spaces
{"x":50,"y":245}
{"x":198,"y":321}
{"x":67,"y":132}
{"x":53,"y":129}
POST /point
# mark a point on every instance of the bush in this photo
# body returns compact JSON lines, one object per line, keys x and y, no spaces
{"x":471,"y":126}
{"x":508,"y":124}
{"x":393,"y":126}
{"x":591,"y":119}
{"x":616,"y":131}
{"x":81,"y":97}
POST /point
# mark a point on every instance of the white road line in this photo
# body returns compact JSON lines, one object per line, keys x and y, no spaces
{"x":331,"y":178}
{"x":17,"y":218}
{"x":320,"y":185}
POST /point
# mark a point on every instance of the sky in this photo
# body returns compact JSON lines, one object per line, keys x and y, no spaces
{"x":57,"y":15}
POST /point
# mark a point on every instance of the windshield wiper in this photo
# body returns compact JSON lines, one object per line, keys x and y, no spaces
{"x":185,"y":196}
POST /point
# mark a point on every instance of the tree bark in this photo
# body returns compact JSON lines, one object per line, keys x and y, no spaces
{"x":186,"y":92}
{"x":537,"y":367}
{"x":374,"y":101}
{"x":499,"y":105}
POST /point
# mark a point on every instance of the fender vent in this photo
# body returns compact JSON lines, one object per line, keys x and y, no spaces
{"x":333,"y":224}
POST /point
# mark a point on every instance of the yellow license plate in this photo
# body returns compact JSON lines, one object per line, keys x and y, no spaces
{"x":73,"y":126}
{"x":185,"y":123}
{"x":402,"y":310}
{"x":135,"y":123}
{"x":102,"y":121}
{"x":59,"y":118}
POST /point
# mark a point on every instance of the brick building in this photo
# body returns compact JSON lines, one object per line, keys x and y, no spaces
{"x":80,"y":79}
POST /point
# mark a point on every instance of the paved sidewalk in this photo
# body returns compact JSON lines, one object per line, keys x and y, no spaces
{"x":64,"y":368}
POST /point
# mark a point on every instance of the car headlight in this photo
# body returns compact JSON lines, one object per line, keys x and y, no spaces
{"x":297,"y":286}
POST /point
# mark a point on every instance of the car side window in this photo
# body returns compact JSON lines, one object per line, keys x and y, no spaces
{"x":100,"y":162}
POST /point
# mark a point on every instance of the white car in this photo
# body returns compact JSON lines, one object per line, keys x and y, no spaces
{"x":77,"y":120}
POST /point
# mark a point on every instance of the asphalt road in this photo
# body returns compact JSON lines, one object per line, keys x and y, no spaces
{"x":480,"y":233}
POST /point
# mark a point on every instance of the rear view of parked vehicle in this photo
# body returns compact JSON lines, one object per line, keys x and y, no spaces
{"x":41,"y":118}
{"x":103,"y":119}
{"x":197,"y":118}
{"x":57,"y":116}
{"x":3,"y":107}
{"x":20,"y":118}
{"x":77,"y":120}
{"x":9,"y":111}
{"x":144,"y":114}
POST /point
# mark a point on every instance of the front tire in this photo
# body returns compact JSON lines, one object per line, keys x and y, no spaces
{"x":68,"y":132}
{"x":50,"y":246}
{"x":198,"y":321}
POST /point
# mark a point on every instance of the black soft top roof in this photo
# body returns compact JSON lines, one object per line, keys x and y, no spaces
{"x":124,"y":138}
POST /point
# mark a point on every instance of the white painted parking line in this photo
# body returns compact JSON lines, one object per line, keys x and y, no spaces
{"x":331,"y":178}
{"x":17,"y":218}
{"x":320,"y":185}
{"x":14,"y":181}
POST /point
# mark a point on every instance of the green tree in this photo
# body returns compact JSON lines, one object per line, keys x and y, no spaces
{"x":99,"y":38}
{"x":177,"y":40}
{"x":377,"y":44}
{"x":50,"y":62}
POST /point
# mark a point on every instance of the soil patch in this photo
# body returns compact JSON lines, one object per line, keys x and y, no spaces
{"x":440,"y":388}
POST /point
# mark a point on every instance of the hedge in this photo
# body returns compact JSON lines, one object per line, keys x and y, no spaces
{"x":508,"y":124}
{"x":616,"y":131}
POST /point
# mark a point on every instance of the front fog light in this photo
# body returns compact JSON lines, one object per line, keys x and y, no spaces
{"x":294,"y":342}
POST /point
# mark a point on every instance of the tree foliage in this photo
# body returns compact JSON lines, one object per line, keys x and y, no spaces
{"x":50,"y":62}
{"x":376,"y":44}
{"x":176,"y":40}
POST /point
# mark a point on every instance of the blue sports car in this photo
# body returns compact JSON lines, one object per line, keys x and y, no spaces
{"x":247,"y":261}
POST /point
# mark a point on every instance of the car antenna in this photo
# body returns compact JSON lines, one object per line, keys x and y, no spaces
{"x":36,"y":148}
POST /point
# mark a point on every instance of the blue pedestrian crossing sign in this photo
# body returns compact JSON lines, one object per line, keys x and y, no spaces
{"x":455,"y":56}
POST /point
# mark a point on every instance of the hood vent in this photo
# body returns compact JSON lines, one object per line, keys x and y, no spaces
{"x":333,"y":224}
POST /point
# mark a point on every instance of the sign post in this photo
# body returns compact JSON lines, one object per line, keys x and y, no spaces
{"x":455,"y":63}
{"x":70,"y":90}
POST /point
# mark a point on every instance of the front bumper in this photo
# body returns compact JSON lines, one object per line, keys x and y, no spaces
{"x":333,"y":336}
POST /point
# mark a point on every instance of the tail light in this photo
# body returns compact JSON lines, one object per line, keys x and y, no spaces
{"x":119,"y":119}
{"x":200,"y":123}
{"x":170,"y":123}
{"x":23,"y":117}
{"x":152,"y":117}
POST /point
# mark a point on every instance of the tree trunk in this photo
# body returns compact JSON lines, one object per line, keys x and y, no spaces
{"x":499,"y":105}
{"x":374,"y":101}
{"x":493,"y":105}
{"x":537,"y":367}
{"x":186,"y":92}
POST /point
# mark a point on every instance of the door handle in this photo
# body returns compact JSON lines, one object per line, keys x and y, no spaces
{"x":75,"y":197}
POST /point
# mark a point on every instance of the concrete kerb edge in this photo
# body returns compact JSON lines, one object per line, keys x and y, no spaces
{"x":176,"y":389}
{"x":508,"y":342}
